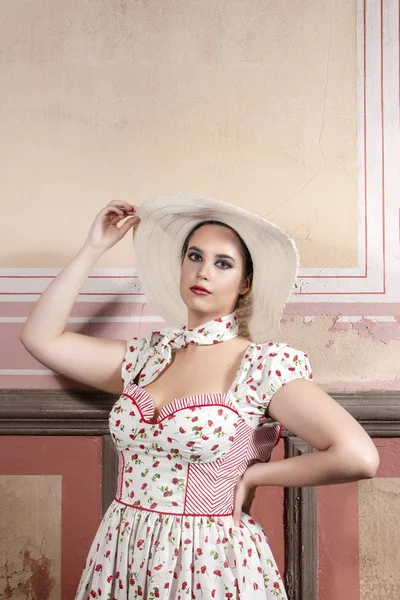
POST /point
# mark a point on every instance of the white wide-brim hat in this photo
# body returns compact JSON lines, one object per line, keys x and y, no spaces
{"x":165,"y":221}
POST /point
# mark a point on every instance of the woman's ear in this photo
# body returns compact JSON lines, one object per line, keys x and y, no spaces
{"x":246,"y":284}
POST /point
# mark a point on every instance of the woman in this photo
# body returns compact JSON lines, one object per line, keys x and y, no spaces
{"x":201,"y":406}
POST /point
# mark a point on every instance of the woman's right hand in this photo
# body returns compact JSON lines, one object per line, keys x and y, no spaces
{"x":104,"y":233}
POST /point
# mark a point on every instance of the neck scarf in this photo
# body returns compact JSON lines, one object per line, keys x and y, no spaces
{"x":215,"y":331}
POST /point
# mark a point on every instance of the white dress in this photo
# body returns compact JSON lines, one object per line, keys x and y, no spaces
{"x":169,"y":533}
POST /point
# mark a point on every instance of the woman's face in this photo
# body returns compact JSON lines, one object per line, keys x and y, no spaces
{"x":212,"y":261}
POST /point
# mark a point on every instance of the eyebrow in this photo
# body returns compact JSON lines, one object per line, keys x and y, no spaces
{"x":218,"y":255}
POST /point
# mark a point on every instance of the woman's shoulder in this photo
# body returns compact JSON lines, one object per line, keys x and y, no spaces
{"x":138,"y":351}
{"x":270,"y":364}
{"x":266,"y":367}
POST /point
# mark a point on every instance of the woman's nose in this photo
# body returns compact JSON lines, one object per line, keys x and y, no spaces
{"x":203,"y":272}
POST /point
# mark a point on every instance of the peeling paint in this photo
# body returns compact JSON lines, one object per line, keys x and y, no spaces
{"x":371,"y":328}
{"x":33,"y":582}
{"x":348,"y":351}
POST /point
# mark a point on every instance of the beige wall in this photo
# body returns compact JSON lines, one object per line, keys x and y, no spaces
{"x":253,"y":102}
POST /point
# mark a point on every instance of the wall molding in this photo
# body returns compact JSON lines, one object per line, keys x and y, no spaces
{"x":85,"y":412}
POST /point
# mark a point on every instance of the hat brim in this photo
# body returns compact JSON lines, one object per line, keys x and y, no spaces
{"x":165,"y":221}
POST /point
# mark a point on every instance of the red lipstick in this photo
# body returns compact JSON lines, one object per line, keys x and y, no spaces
{"x":199,"y":290}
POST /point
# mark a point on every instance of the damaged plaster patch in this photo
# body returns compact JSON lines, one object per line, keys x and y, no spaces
{"x":30,"y":541}
{"x":33,"y":580}
{"x":365,"y":355}
{"x":380,"y":329}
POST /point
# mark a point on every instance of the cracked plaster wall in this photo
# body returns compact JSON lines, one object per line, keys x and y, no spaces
{"x":356,"y":355}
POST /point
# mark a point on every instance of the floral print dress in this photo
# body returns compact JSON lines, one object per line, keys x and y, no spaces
{"x":169,"y":532}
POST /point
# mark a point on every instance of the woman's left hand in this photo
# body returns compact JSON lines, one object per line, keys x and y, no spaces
{"x":244,"y":496}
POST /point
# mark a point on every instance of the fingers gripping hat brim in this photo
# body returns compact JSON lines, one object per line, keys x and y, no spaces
{"x":165,"y":221}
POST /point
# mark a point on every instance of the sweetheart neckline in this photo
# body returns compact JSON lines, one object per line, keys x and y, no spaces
{"x":175,"y":399}
{"x":239,"y":369}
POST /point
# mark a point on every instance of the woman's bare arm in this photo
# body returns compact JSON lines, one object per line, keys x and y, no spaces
{"x":90,"y":360}
{"x":346,"y":452}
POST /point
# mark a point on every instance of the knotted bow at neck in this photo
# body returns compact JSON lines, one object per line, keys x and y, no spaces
{"x":215,"y":331}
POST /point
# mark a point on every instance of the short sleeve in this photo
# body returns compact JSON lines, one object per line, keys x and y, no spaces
{"x":280,"y":367}
{"x":136,"y":356}
{"x":268,"y":367}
